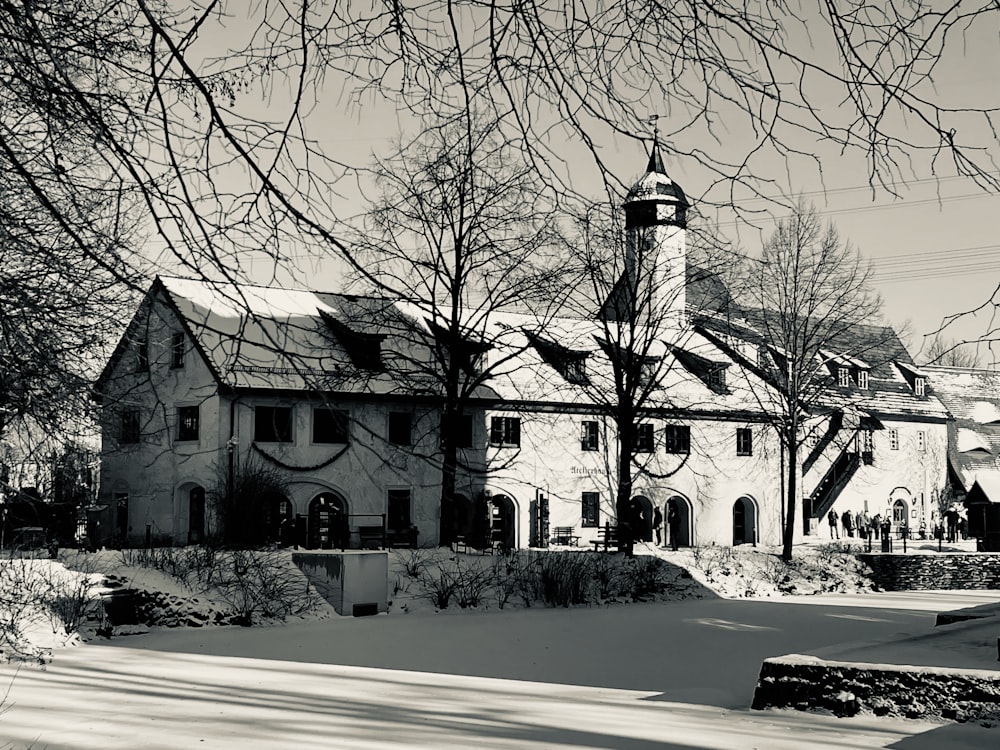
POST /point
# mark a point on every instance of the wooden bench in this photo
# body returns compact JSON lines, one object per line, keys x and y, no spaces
{"x":607,"y":537}
{"x":564,"y":535}
{"x":371,"y":537}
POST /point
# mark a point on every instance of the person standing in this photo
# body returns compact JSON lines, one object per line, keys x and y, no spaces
{"x":951,"y":516}
{"x":832,"y":518}
{"x":657,"y":523}
{"x":674,"y":525}
{"x":864,"y":524}
{"x":848,"y":520}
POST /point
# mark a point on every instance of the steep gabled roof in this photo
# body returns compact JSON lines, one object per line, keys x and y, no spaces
{"x":875,"y":349}
{"x":972,"y":396}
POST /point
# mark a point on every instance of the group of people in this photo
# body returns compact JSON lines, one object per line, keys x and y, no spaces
{"x":953,"y":527}
{"x":860,"y":523}
{"x":673,"y":525}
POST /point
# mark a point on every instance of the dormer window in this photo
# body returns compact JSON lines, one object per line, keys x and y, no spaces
{"x":863,"y":379}
{"x":575,"y":369}
{"x":843,"y":377}
{"x":717,"y":378}
{"x":569,"y":363}
{"x":919,"y":385}
{"x":364,"y":349}
{"x":711,"y":373}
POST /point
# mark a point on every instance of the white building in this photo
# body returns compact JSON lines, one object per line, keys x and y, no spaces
{"x":329,"y":391}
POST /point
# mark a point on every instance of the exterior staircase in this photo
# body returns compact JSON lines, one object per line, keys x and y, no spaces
{"x":833,"y":482}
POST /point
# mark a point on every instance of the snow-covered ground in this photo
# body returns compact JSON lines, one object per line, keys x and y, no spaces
{"x":674,"y":674}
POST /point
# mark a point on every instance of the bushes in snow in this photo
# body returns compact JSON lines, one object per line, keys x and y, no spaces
{"x":249,"y":584}
{"x":554,"y":579}
{"x":35,"y":593}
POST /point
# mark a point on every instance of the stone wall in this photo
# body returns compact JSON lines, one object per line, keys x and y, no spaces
{"x":947,"y":570}
{"x":810,"y":684}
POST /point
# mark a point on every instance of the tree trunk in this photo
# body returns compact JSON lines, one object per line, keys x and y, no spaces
{"x":790,"y":503}
{"x":623,"y":498}
{"x":449,"y":469}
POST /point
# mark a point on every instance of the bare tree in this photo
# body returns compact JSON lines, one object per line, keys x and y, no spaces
{"x":944,"y":351}
{"x":811,"y":293}
{"x":461,"y":232}
{"x":134,"y":98}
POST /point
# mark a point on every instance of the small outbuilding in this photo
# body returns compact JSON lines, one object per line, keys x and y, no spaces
{"x":983,"y":504}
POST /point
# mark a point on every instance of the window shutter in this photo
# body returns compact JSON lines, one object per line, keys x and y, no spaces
{"x":515,"y":431}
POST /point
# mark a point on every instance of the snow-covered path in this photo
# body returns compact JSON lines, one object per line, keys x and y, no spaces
{"x":664,"y":675}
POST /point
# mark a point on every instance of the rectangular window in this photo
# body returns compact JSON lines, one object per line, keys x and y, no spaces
{"x":744,"y":441}
{"x":130,"y":426}
{"x":187,"y":422}
{"x":863,"y":379}
{"x":398,"y":510}
{"x":894,"y":440}
{"x":272,"y":424}
{"x":142,"y":356}
{"x":591,"y":510}
{"x":400,"y":428}
{"x":330,"y":425}
{"x":677,"y":438}
{"x":921,"y":441}
{"x":589,"y":440}
{"x":463,"y":431}
{"x":867,"y":446}
{"x":919,"y":385}
{"x":177,"y":350}
{"x":505,"y":431}
{"x":717,"y":378}
{"x":575,"y":370}
{"x":644,"y":439}
{"x":843,"y":377}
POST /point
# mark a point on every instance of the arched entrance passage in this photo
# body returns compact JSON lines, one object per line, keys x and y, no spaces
{"x":502,"y":521}
{"x":196,"y":515}
{"x":900,"y":503}
{"x":328,"y":527}
{"x":644,"y":521}
{"x":456,"y":520}
{"x":684,"y":521}
{"x":744,"y":521}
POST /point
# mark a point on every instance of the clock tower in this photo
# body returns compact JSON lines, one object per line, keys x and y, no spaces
{"x":652,"y":289}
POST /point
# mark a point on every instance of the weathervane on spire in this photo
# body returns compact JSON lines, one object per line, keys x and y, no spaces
{"x":655,"y":161}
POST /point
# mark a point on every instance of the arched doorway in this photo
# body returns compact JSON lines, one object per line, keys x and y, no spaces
{"x":744,"y":521}
{"x":644,"y":522}
{"x":684,"y":525}
{"x":456,"y":520}
{"x":196,"y":515}
{"x":899,"y":510}
{"x":900,"y":513}
{"x":328,"y":525}
{"x":502,"y":520}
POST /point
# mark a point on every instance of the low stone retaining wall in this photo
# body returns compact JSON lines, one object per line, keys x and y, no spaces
{"x":946,"y":570}
{"x":807,"y":683}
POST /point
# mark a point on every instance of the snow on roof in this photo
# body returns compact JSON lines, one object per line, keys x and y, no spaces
{"x":970,"y":440}
{"x":989,"y":483}
{"x":984,"y":412}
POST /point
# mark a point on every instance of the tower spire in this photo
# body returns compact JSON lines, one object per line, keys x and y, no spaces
{"x":655,"y":160}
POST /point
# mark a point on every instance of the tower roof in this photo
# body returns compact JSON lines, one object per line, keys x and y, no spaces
{"x":655,"y":185}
